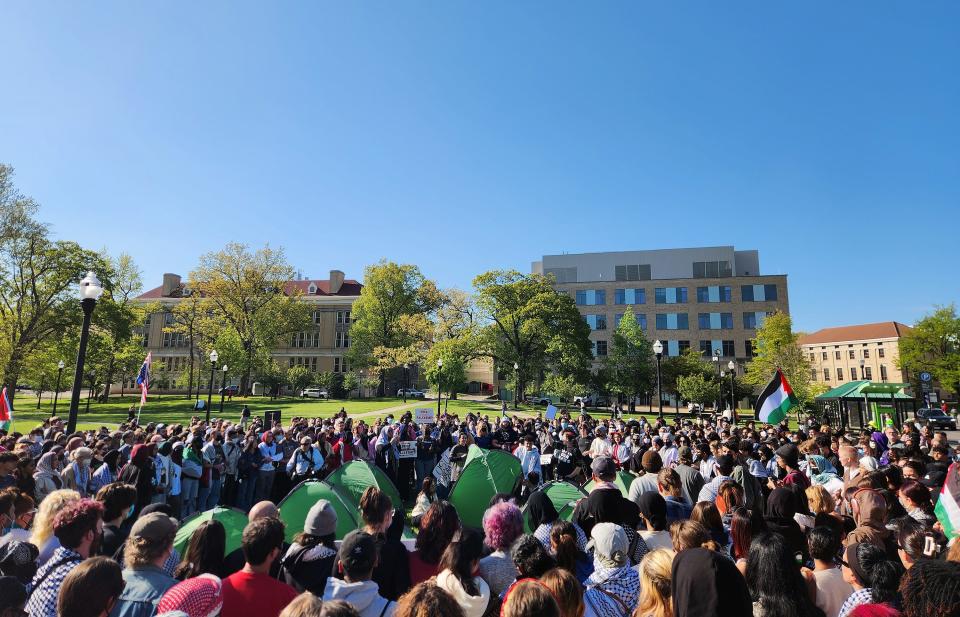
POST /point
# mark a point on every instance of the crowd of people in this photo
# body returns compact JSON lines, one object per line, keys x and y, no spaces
{"x":694,"y":517}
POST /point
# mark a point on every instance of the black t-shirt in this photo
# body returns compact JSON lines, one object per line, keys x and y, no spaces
{"x":566,"y":460}
{"x":507,"y":437}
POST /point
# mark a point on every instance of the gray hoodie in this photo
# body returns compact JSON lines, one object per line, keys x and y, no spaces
{"x":363,"y":596}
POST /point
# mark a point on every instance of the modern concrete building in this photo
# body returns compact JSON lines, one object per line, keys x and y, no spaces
{"x":322,"y":347}
{"x":851,"y":353}
{"x":710,"y":298}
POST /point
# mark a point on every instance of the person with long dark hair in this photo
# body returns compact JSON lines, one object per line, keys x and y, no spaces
{"x":205,"y":552}
{"x":930,"y":589}
{"x":873,"y":576}
{"x":915,"y":542}
{"x":779,"y":518}
{"x":543,"y":518}
{"x":456,"y":577}
{"x":776,"y":585}
{"x":438,"y":526}
{"x":704,"y":583}
{"x":742,"y":530}
{"x":565,"y":548}
{"x":915,"y":499}
{"x":392,"y":574}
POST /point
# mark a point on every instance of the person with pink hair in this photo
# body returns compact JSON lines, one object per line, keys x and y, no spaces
{"x":502,"y":525}
{"x":874,"y":610}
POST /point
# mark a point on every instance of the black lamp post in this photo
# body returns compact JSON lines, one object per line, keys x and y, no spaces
{"x":863,"y":373}
{"x":406,"y":381}
{"x":213,"y":367}
{"x":223,"y":386}
{"x":439,"y":385}
{"x":658,"y":352}
{"x":56,"y":394}
{"x":733,"y":396}
{"x":90,"y":291}
{"x":516,"y":393}
{"x":716,"y":361}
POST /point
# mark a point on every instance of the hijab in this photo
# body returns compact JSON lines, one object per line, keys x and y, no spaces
{"x":827,"y":471}
{"x":653,"y":507}
{"x":541,"y":510}
{"x":47,"y":467}
{"x":697,"y":578}
{"x":781,"y":504}
{"x":140,"y":455}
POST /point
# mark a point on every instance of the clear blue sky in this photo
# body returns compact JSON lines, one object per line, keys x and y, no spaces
{"x":465,"y":136}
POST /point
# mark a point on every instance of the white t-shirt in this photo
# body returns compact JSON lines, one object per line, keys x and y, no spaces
{"x":832,"y":590}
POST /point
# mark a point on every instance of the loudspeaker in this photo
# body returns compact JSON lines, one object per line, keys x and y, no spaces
{"x":269,"y":417}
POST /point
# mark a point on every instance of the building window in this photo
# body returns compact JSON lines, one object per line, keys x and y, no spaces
{"x":630,"y":296}
{"x":712,"y":269}
{"x":600,"y":348}
{"x":640,"y":272}
{"x":591,"y":297}
{"x":342,"y":340}
{"x":748,"y":348}
{"x":852,"y":354}
{"x":866,"y":353}
{"x":706,"y":348}
{"x":596,"y":322}
{"x":880,"y":352}
{"x":713,"y":294}
{"x":754,"y":319}
{"x":836,"y":355}
{"x":826,"y":374}
{"x":670,"y":295}
{"x":672,"y":321}
{"x":813,"y":357}
{"x":824,"y":354}
{"x":316,"y":318}
{"x":340,"y":365}
{"x":758,"y":293}
{"x":642,"y":320}
{"x":729,"y":350}
{"x":853,"y":374}
{"x":883,"y":372}
{"x":343,"y":317}
{"x":813,"y":374}
{"x":715,"y":321}
{"x":867,"y":372}
{"x":839,"y":373}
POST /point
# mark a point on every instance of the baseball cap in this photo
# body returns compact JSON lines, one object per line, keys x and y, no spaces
{"x":934,"y":479}
{"x":154,"y":527}
{"x":358,"y":552}
{"x":651,"y":461}
{"x":321,"y":519}
{"x":603,"y":466}
{"x":609,"y":543}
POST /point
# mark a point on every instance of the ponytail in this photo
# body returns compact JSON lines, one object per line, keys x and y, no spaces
{"x":459,"y":556}
{"x":563,"y":538}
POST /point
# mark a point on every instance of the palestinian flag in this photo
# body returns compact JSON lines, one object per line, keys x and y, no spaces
{"x":6,"y":411}
{"x":948,"y":510}
{"x":776,"y":400}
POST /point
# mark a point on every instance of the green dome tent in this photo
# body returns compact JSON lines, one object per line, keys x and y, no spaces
{"x":485,"y":473}
{"x":623,"y":482}
{"x":233,"y":521}
{"x":294,"y":507}
{"x":563,"y":495}
{"x":354,"y":478}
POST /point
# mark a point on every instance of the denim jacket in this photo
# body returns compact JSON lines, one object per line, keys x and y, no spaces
{"x":145,"y":586}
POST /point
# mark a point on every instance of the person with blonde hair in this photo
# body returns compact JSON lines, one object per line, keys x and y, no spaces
{"x":567,"y":590}
{"x":304,"y":605}
{"x":42,"y":536}
{"x":655,"y":584}
{"x":426,"y":599}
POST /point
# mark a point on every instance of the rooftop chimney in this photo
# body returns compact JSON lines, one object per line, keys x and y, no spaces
{"x":336,"y":281}
{"x":171,"y":283}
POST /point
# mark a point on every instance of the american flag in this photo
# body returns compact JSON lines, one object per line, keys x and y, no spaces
{"x":143,"y":379}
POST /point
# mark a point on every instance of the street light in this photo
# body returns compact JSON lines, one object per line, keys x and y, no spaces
{"x":716,"y":361}
{"x":214,"y":356}
{"x":90,"y":291}
{"x":406,"y":380}
{"x":439,"y":385}
{"x":733,"y":397}
{"x":56,"y":394}
{"x":516,"y":393}
{"x":658,"y":351}
{"x":863,"y":374}
{"x":223,"y":386}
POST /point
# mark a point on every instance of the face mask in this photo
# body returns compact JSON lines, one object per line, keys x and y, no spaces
{"x":130,"y":511}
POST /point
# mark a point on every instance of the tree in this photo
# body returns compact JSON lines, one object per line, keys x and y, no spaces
{"x":247,"y":293}
{"x":531,"y":324}
{"x":698,"y":389}
{"x":933,"y":345}
{"x":189,"y":319}
{"x":775,"y":346}
{"x":299,"y":377}
{"x":37,"y":278}
{"x":391,"y":318}
{"x":453,"y":374}
{"x":350,"y":382}
{"x":273,"y":377}
{"x":630,"y":366}
{"x":562,"y":387}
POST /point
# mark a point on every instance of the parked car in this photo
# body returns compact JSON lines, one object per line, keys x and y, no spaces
{"x":230,"y":391}
{"x":936,"y":418}
{"x":536,"y":399}
{"x":592,"y":400}
{"x":411,"y":393}
{"x":314,"y":393}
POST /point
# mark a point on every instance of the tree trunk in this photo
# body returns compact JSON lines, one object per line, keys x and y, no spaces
{"x":108,"y":379}
{"x":39,"y":393}
{"x":245,"y":380}
{"x":190,"y":377}
{"x":11,"y":373}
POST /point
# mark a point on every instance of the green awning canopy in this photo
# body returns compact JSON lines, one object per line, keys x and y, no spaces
{"x":869,"y":389}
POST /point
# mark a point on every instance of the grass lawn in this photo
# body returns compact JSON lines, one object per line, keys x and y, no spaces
{"x":177,"y":409}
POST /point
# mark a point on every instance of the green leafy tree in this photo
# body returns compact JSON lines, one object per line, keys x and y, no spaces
{"x":562,"y":387}
{"x":351,"y":382}
{"x":391,"y":318}
{"x":191,"y":317}
{"x":246,"y":293}
{"x":37,"y":279}
{"x":453,"y":374}
{"x":299,"y":378}
{"x":629,"y":366}
{"x":273,"y":377}
{"x":775,"y":346}
{"x":934,"y":345}
{"x":531,"y":324}
{"x":698,"y":389}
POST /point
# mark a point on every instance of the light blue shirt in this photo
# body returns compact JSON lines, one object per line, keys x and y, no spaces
{"x":300,"y":462}
{"x":270,"y":452}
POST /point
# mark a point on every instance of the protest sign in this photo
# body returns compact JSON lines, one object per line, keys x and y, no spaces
{"x":551,"y":412}
{"x":408,"y":449}
{"x":424,"y":415}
